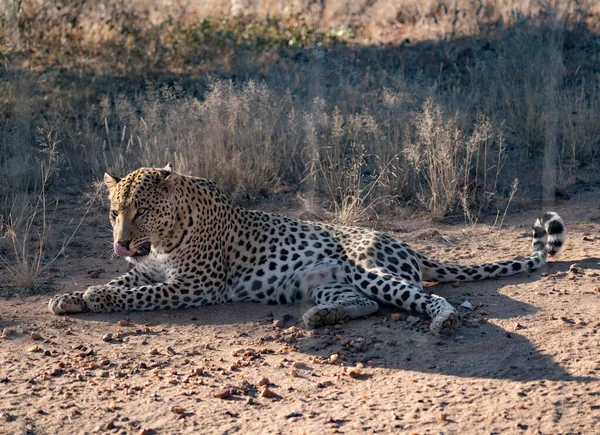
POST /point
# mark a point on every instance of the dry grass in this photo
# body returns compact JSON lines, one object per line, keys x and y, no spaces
{"x":440,"y":104}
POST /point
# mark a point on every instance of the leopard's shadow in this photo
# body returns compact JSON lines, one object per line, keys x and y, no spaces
{"x":480,"y":348}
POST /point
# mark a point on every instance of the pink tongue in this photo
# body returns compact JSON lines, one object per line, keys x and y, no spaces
{"x":123,"y":252}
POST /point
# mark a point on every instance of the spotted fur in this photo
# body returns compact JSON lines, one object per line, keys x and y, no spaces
{"x":191,"y":247}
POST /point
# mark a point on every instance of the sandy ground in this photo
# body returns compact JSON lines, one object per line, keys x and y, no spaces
{"x":526,"y":358}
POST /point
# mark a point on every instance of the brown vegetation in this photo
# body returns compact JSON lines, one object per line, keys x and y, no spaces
{"x":442,"y":104}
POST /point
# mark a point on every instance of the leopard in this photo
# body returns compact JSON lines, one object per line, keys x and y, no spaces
{"x":190,"y":246}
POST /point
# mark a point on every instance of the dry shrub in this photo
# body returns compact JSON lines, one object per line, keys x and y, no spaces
{"x":451,"y":163}
{"x":235,"y":135}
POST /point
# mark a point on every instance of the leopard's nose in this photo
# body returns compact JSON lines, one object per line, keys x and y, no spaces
{"x":124,"y":243}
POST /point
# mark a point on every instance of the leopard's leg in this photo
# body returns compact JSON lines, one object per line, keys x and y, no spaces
{"x":337,"y":302}
{"x":172,"y":294}
{"x":409,"y":296}
{"x":69,"y":303}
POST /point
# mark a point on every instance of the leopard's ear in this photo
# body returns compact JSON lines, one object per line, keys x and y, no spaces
{"x":166,"y":184}
{"x":110,"y":181}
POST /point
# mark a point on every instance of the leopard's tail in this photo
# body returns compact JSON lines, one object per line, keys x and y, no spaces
{"x":549,"y":235}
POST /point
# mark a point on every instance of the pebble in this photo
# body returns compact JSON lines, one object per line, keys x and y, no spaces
{"x":334,"y":357}
{"x":107,"y":337}
{"x":396,"y":317}
{"x":178,"y":410}
{"x":466,"y":304}
{"x":267,"y":393}
{"x":353,"y":372}
{"x":263,"y":381}
{"x":224,"y":393}
{"x":123,"y":323}
{"x":35,"y":336}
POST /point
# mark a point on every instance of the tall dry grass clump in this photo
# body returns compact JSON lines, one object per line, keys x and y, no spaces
{"x":26,"y":227}
{"x":453,"y":164}
{"x":235,"y":135}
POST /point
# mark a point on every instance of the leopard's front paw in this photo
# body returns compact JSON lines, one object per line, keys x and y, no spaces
{"x":67,"y":303}
{"x":446,"y":320}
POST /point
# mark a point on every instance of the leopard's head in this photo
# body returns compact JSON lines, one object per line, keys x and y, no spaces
{"x":141,"y":209}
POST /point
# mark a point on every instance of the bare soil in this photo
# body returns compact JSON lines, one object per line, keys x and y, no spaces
{"x":526,"y":358}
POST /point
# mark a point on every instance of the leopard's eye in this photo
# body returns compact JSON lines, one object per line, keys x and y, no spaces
{"x":141,"y":212}
{"x":114,"y":214}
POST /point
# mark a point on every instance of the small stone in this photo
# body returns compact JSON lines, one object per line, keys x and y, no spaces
{"x":334,"y":357}
{"x":35,"y":349}
{"x":456,"y":284}
{"x":154,"y":352}
{"x":146,"y":431}
{"x":225,"y":393}
{"x":293,"y":373}
{"x":108,"y":425}
{"x":177,"y":410}
{"x":466,"y":304}
{"x":521,"y":406}
{"x":263,"y":381}
{"x":576,"y":269}
{"x":171,"y":351}
{"x":443,"y":417}
{"x":123,"y":322}
{"x":5,"y":416}
{"x":197,"y":371}
{"x":35,"y":336}
{"x":338,"y":326}
{"x":107,"y":337}
{"x":267,"y":393}
{"x":396,"y":317}
{"x":353,"y":372}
